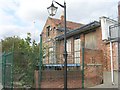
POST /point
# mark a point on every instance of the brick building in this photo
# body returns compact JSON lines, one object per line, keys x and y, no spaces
{"x":95,"y":39}
{"x":52,"y":29}
{"x":94,"y":36}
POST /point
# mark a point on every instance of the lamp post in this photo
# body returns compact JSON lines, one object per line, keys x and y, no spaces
{"x":52,"y":11}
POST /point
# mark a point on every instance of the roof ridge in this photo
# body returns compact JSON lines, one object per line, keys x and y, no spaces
{"x":66,"y":21}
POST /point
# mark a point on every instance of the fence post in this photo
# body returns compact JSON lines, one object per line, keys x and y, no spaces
{"x":82,"y":65}
{"x":12,"y":66}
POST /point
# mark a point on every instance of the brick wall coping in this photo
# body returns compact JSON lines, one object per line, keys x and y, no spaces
{"x":94,"y":64}
{"x":61,"y":64}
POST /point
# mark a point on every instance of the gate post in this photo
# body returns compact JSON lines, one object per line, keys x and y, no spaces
{"x":12,"y":58}
{"x":36,"y":77}
{"x":3,"y":69}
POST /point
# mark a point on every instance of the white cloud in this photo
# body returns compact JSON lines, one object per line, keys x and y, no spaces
{"x":90,"y":10}
{"x":8,"y":4}
{"x":17,"y":16}
{"x":33,"y":9}
{"x":4,"y":18}
{"x":11,"y":30}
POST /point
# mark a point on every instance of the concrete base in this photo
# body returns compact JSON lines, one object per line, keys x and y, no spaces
{"x":105,"y":86}
{"x":107,"y":77}
{"x":107,"y":82}
{"x":1,"y":86}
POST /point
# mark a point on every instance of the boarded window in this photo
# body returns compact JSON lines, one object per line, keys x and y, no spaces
{"x":91,"y":40}
{"x":51,"y":56}
{"x":77,"y":50}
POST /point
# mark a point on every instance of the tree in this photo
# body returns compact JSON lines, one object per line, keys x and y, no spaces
{"x":26,"y":57}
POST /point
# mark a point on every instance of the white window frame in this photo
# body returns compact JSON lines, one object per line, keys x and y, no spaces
{"x":77,"y":50}
{"x":69,"y":45}
{"x":51,"y":56}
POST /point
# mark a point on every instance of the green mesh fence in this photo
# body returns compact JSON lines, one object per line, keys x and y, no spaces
{"x":8,"y":70}
{"x":0,"y":71}
{"x":7,"y":79}
{"x":18,"y":69}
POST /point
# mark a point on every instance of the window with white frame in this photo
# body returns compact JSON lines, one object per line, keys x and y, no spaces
{"x":51,"y":56}
{"x":77,"y":50}
{"x":69,"y":45}
{"x":44,"y":55}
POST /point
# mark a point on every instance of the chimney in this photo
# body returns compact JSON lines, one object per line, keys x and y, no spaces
{"x":119,"y":11}
{"x":62,"y":16}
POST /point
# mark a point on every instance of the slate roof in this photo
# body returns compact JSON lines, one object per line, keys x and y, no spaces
{"x":89,"y":27}
{"x":70,"y":25}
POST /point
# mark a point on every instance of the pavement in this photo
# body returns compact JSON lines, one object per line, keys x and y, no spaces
{"x":107,"y":80}
{"x":106,"y":86}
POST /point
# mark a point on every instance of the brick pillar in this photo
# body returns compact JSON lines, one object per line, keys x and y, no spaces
{"x":36,"y":76}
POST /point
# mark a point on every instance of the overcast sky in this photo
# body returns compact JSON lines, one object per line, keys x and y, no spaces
{"x":17,"y":17}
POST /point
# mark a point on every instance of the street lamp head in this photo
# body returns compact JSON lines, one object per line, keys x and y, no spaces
{"x":52,"y":9}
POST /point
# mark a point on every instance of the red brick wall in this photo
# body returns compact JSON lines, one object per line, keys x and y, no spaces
{"x":93,"y":56}
{"x":105,"y":47}
{"x":93,"y":66}
{"x":55,"y":78}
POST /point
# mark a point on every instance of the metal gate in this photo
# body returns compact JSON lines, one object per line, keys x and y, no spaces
{"x":7,"y":70}
{"x":18,"y":70}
